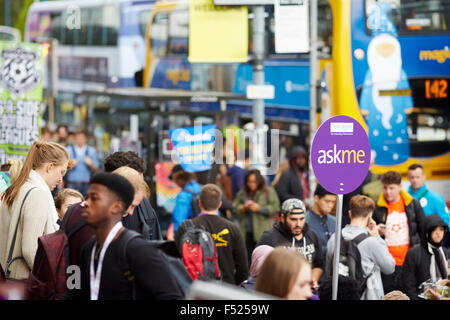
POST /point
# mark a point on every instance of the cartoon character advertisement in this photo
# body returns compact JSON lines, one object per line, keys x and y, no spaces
{"x":386,"y":93}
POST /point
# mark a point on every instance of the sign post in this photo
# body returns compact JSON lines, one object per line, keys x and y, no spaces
{"x":340,"y":158}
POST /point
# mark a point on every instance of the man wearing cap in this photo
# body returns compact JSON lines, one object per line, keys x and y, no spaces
{"x":293,"y":232}
{"x":294,"y":183}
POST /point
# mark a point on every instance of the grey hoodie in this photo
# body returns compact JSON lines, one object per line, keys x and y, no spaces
{"x":375,"y":258}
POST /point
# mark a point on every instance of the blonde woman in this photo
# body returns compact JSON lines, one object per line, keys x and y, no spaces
{"x":27,"y":210}
{"x":140,"y":187}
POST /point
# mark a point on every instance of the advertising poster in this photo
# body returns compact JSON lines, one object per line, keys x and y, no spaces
{"x":166,"y":190}
{"x":21,"y":74}
{"x":217,"y":33}
{"x":193,"y":147}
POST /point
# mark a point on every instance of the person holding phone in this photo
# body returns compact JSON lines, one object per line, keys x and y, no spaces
{"x":255,"y":207}
{"x":375,"y":257}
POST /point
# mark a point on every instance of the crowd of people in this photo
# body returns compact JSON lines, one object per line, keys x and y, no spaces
{"x":269,"y":238}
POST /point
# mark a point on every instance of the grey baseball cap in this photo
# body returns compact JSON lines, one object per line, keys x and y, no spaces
{"x":293,"y":204}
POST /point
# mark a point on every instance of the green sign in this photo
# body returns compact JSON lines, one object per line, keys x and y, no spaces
{"x":21,"y":77}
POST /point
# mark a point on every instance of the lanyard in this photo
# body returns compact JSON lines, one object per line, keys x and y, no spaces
{"x":95,"y":276}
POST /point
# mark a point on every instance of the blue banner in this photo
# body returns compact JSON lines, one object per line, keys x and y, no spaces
{"x":194,"y":147}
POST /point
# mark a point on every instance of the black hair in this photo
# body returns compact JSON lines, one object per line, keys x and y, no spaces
{"x":259,"y":180}
{"x":116,"y":184}
{"x":321,"y":191}
{"x":415,"y":166}
{"x":347,"y":289}
{"x":121,"y":158}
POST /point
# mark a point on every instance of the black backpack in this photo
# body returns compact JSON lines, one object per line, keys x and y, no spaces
{"x":198,"y":252}
{"x":149,"y":221}
{"x":169,"y":253}
{"x":350,"y":261}
{"x":194,"y":202}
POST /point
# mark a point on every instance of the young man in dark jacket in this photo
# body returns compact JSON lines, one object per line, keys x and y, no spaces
{"x":292,"y":231}
{"x":399,"y":218}
{"x":427,"y":260}
{"x":104,"y":274}
{"x":294,"y":183}
{"x":231,"y":250}
{"x":143,"y":220}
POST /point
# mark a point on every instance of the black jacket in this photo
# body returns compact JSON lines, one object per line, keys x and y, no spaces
{"x":144,"y":220}
{"x":309,"y":245}
{"x":231,"y":252}
{"x":289,"y":186}
{"x":414,"y":213}
{"x":416,"y":268}
{"x":152,"y":278}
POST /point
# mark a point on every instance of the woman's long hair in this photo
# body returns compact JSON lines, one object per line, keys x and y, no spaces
{"x":279,"y":272}
{"x":259,"y":180}
{"x":39,"y":154}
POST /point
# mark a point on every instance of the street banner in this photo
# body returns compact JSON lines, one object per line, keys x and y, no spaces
{"x":217,"y":33}
{"x":21,"y":74}
{"x":340,"y":154}
{"x":340,"y":159}
{"x":193,"y":147}
{"x":291,"y":26}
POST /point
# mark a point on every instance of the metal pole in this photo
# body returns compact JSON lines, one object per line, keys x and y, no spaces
{"x":313,"y":74}
{"x":337,"y":247}
{"x":258,"y":77}
{"x":7,"y":13}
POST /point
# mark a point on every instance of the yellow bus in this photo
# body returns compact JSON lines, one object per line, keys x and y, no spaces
{"x":390,"y":69}
{"x":385,"y":63}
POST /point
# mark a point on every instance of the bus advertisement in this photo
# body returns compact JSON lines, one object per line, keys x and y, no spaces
{"x":390,"y":69}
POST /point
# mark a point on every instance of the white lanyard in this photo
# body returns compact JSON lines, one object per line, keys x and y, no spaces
{"x":95,"y":276}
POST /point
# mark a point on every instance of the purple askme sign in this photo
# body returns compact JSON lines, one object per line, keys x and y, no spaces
{"x":340,"y":154}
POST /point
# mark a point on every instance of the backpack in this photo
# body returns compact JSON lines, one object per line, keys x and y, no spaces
{"x":194,"y":202}
{"x":47,"y":279}
{"x":350,"y":261}
{"x":149,"y":221}
{"x":198,"y":252}
{"x":169,"y":253}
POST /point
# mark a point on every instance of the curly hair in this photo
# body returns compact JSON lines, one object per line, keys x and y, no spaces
{"x":121,"y":158}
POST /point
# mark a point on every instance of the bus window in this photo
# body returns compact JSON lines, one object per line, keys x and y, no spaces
{"x":325,"y":27}
{"x":95,"y":27}
{"x":143,"y":19}
{"x":413,"y":16}
{"x":178,"y":32}
{"x":56,"y":29}
{"x":82,"y":33}
{"x":159,"y":34}
{"x":111,"y":21}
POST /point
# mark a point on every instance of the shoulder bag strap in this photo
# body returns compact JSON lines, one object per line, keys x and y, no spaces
{"x":13,"y":243}
{"x":359,"y":238}
{"x":128,"y":235}
{"x":145,"y":228}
